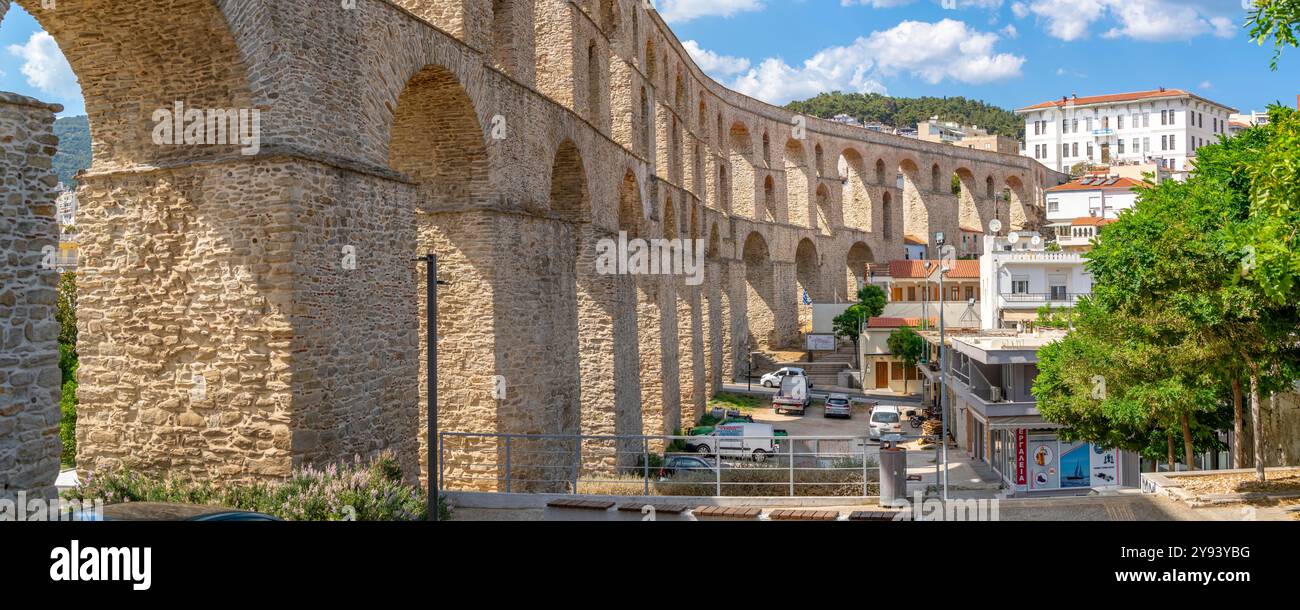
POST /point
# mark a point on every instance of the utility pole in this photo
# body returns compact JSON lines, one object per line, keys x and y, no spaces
{"x":431,"y":363}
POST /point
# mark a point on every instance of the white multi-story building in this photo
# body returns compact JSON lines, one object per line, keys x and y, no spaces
{"x":1018,"y":275}
{"x":1164,"y":127}
{"x":1076,"y":210}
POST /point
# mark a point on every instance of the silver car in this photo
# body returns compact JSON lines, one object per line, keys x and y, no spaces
{"x":838,"y":405}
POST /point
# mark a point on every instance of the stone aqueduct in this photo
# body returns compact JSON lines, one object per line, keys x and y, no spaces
{"x":505,"y":135}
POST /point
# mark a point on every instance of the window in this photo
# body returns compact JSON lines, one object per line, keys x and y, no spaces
{"x":1074,"y":149}
{"x":955,"y":294}
{"x":1065,"y":150}
{"x":1053,"y":205}
{"x":1146,"y":120}
{"x":1105,"y":122}
{"x":1172,"y":144}
{"x":1075,"y":125}
{"x":1121,"y":147}
{"x":911,"y":293}
{"x":895,"y":373}
{"x":1089,"y":146}
{"x":1146,"y":144}
{"x":1164,"y":117}
{"x":970,"y":293}
{"x":1137,"y":146}
{"x":1164,"y":142}
{"x":1020,"y":284}
{"x":1119,"y":122}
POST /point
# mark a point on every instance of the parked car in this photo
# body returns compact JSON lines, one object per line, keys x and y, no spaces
{"x":885,"y":420}
{"x":684,"y":463}
{"x":746,"y":440}
{"x":164,"y":511}
{"x":838,"y":405}
{"x":793,"y":395}
{"x":773,"y":379}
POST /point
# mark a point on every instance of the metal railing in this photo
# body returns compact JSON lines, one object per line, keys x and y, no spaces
{"x":751,"y":466}
{"x":1041,"y":297}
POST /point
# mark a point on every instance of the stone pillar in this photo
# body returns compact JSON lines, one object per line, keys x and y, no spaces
{"x":29,"y":331}
{"x":597,"y":305}
{"x":649,"y":325}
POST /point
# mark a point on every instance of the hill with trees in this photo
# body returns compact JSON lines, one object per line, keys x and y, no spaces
{"x":74,"y":148}
{"x":908,"y":111}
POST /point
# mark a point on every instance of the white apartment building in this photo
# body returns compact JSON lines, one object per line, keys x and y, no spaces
{"x":1164,"y":127}
{"x":1077,"y":209}
{"x":1018,"y":275}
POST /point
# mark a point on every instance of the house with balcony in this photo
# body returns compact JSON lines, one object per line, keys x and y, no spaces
{"x":1019,"y":275}
{"x":992,"y":414}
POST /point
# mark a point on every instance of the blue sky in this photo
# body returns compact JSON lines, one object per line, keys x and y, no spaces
{"x":1011,"y":53}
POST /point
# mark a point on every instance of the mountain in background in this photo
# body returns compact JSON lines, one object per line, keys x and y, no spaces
{"x":908,"y":111}
{"x":74,"y":148}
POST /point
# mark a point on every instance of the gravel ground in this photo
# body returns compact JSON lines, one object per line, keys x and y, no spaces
{"x":1242,"y":482}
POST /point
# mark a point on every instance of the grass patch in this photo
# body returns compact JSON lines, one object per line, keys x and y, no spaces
{"x":359,"y":491}
{"x":743,"y":402}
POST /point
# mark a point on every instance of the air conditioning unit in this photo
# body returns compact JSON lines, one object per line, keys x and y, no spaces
{"x":995,"y":394}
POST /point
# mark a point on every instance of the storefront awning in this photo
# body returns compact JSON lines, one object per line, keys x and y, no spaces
{"x":1032,"y":422}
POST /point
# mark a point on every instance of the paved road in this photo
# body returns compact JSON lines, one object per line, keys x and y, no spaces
{"x":819,"y":393}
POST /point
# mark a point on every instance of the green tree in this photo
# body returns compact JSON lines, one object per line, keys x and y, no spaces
{"x":908,"y":346}
{"x":871,"y":303}
{"x":1278,"y":20}
{"x":66,"y":315}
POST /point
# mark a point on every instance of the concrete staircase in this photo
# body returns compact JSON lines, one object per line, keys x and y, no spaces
{"x":823,"y":372}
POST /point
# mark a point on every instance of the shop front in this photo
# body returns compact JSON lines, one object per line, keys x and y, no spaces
{"x":1031,"y":457}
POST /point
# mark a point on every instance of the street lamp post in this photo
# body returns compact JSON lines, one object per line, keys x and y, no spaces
{"x":431,"y":363}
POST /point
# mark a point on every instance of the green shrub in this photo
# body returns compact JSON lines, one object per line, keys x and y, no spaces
{"x":358,"y":491}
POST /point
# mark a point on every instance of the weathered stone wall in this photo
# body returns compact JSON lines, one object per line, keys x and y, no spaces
{"x":508,"y":137}
{"x":29,"y":332}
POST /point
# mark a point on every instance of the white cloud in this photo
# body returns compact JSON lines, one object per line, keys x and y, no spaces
{"x":933,"y":52}
{"x":716,"y":65}
{"x":681,"y":11}
{"x":1145,"y":20}
{"x":1010,"y":31}
{"x":45,"y":67}
{"x":1205,"y":84}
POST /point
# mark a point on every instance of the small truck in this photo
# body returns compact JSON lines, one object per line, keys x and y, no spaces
{"x":793,"y":396}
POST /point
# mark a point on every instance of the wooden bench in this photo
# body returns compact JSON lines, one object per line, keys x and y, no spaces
{"x":670,"y":509}
{"x":580,"y":504}
{"x":574,"y":509}
{"x":803,"y":515}
{"x":726,"y":513}
{"x":873,"y":515}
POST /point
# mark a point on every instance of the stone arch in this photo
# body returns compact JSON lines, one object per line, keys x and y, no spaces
{"x":796,"y":185}
{"x":916,"y":215}
{"x":597,"y":91}
{"x":1020,"y":209}
{"x":743,"y":177}
{"x":760,"y":291}
{"x":887,"y":221}
{"x":969,"y":212}
{"x":771,"y":210}
{"x":855,"y":268}
{"x":436,"y":141}
{"x":703,"y":120}
{"x":651,"y":62}
{"x":610,"y":18}
{"x":856,"y":201}
{"x":824,"y":220}
{"x":643,"y":127}
{"x":807,"y":280}
{"x":819,"y":161}
{"x":936,"y":179}
{"x":569,"y":197}
{"x":881,"y":176}
{"x":723,"y":190}
{"x":630,"y":206}
{"x":509,"y":52}
{"x":989,"y":188}
{"x":767,"y":150}
{"x":671,"y":222}
{"x":680,"y":94}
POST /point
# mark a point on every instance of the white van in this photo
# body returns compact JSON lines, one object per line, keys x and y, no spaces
{"x":885,"y":420}
{"x":737,"y":440}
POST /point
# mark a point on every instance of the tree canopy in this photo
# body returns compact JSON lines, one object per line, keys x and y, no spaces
{"x":907,"y":112}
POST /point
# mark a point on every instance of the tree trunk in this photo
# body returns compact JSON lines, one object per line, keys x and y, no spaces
{"x":1238,"y":426}
{"x":1173,"y":462}
{"x":1188,"y":450}
{"x":1257,"y":425}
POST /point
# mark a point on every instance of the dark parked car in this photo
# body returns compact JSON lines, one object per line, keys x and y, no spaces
{"x":163,"y":511}
{"x":685,"y":463}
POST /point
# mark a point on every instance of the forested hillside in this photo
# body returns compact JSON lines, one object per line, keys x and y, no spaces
{"x":907,"y":112}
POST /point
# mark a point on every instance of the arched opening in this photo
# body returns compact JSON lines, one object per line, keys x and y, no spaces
{"x":743,"y":179}
{"x":703,"y":121}
{"x":824,"y":220}
{"x":569,"y":198}
{"x":723,"y":190}
{"x":1021,"y":213}
{"x":630,"y":212}
{"x":671,"y":223}
{"x":437,"y":142}
{"x":796,"y":185}
{"x":609,"y":18}
{"x":643,"y":126}
{"x":590,"y":312}
{"x":627,"y":342}
{"x":988,"y":187}
{"x":507,"y":21}
{"x":767,"y":150}
{"x":680,"y":94}
{"x":880,"y":172}
{"x":717,"y":317}
{"x":807,"y":266}
{"x":936,"y":178}
{"x":968,"y":207}
{"x":651,"y":62}
{"x":770,"y":211}
{"x":596,"y":89}
{"x":820,"y":160}
{"x":760,"y":292}
{"x":856,"y":201}
{"x":855,"y":269}
{"x":887,"y":216}
{"x":916,"y":216}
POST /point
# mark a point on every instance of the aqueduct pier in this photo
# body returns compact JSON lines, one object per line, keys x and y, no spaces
{"x":225,"y":332}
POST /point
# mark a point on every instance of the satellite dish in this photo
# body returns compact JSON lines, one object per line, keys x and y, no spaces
{"x":995,"y":225}
{"x":1036,"y":240}
{"x":1013,"y":237}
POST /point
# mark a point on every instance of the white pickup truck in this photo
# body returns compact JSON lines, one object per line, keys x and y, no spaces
{"x":793,"y":395}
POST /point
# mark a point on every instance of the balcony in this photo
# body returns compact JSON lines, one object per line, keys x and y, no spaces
{"x":1041,"y":298}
